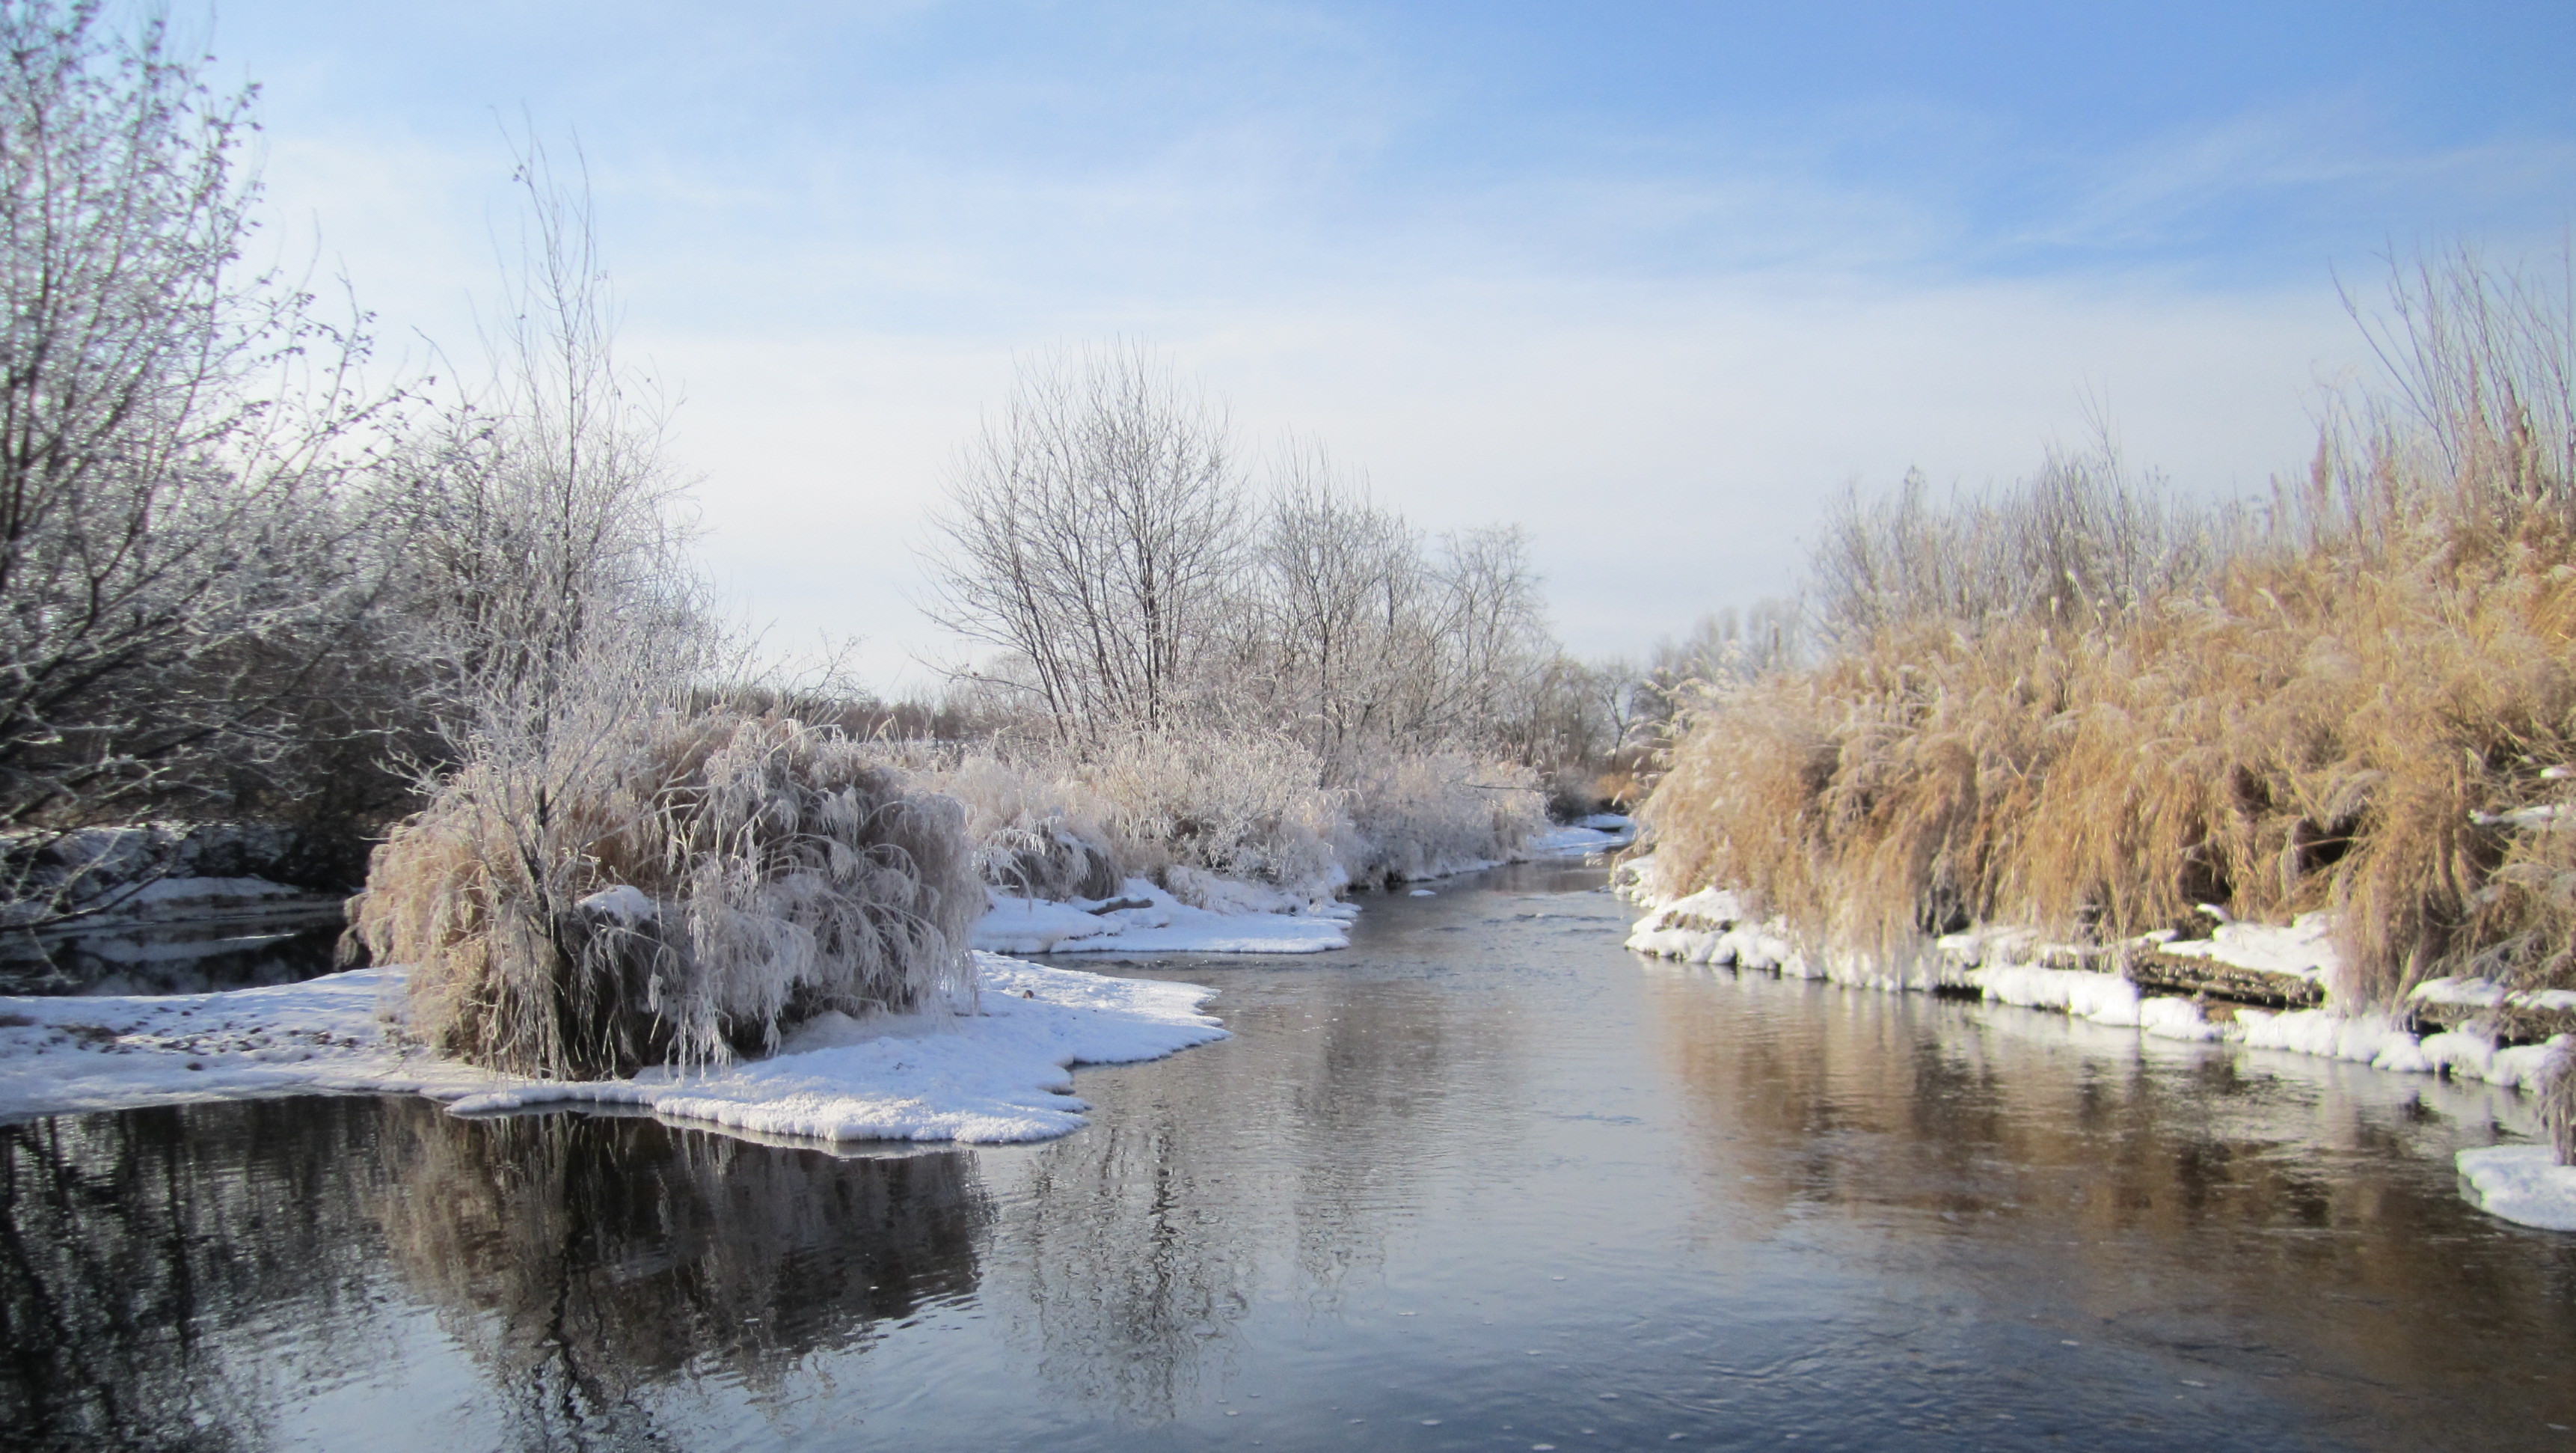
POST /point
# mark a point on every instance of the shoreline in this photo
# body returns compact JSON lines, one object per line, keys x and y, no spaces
{"x":2515,"y":1182}
{"x":996,"y":1071}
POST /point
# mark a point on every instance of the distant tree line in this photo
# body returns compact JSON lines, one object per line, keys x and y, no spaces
{"x":1128,"y":568}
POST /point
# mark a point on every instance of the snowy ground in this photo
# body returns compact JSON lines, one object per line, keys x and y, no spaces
{"x":1145,"y":919}
{"x":1597,"y":833}
{"x":2009,"y":967}
{"x":2522,"y":1183}
{"x":994,"y":1074}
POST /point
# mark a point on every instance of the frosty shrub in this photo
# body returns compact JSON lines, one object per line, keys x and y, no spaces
{"x":1051,"y":820}
{"x":1038,"y":831}
{"x":1231,"y":804}
{"x":1419,"y":815}
{"x":679,"y":895}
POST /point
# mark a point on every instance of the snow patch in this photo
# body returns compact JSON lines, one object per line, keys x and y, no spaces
{"x":2102,"y":998}
{"x":995,"y":1074}
{"x":1600,"y":832}
{"x":2372,"y":1039}
{"x":2476,"y":993}
{"x":1143,"y":918}
{"x":625,"y":903}
{"x":2524,"y":1184}
{"x":2467,"y":1053}
{"x":2305,"y":949}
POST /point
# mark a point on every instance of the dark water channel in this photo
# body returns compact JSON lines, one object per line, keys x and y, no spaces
{"x":1483,"y":1182}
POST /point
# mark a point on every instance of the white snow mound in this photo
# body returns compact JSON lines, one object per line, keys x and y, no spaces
{"x":2522,"y":1183}
{"x":1145,"y":919}
{"x":1001,"y":1074}
{"x":2304,"y":949}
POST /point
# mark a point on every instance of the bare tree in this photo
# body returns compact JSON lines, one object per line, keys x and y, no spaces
{"x":1491,"y":624}
{"x":1341,"y":608}
{"x":174,"y":435}
{"x":1093,"y":530}
{"x":542,"y":521}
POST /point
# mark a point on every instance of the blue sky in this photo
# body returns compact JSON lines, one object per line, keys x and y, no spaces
{"x":1654,"y":280}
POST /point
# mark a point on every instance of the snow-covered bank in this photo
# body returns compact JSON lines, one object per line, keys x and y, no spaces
{"x":2522,"y":1183}
{"x":1598,"y":833}
{"x":1142,"y":918}
{"x":1229,"y":916}
{"x":155,"y":873}
{"x":2017,"y":967}
{"x":1001,"y":1073}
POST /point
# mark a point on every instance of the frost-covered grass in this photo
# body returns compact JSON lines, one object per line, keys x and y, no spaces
{"x":1429,"y":815}
{"x":689,"y":890}
{"x":998,"y":1072}
{"x":1229,"y":821}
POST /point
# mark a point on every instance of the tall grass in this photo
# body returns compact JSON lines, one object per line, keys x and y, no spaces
{"x":681,"y":896}
{"x":2079,"y":707}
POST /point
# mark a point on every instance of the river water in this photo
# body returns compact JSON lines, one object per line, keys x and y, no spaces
{"x":1485,"y":1181}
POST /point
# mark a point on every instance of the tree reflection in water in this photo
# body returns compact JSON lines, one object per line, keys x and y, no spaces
{"x":1284,"y":1157}
{"x":131,"y":1244}
{"x":592,"y":1266}
{"x":587,"y":1260}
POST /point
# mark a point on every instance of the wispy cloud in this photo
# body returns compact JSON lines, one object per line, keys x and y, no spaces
{"x":1659,"y":338}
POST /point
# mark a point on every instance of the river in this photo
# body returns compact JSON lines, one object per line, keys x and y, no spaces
{"x":1484,"y":1181}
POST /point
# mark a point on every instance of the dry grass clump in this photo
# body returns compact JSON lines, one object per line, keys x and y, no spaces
{"x":2319,"y":731}
{"x":2558,"y":1104}
{"x":2369,"y":705}
{"x":679,"y":896}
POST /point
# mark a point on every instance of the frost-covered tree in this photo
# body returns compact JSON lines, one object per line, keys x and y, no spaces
{"x":541,"y":521}
{"x":175,"y":556}
{"x":1339,"y":609}
{"x":1093,"y":532}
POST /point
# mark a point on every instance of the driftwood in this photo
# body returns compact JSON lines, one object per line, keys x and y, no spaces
{"x":2156,"y":971}
{"x":2509,"y":1022}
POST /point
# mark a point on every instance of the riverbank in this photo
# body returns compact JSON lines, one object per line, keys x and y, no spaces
{"x":992,"y":1070}
{"x":1234,"y":916}
{"x":2284,"y":964}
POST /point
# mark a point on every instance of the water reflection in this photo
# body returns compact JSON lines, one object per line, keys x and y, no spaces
{"x":149,"y":1261}
{"x":1285,"y":1157}
{"x":2187,"y":1204}
{"x":133,"y":1247}
{"x":1485,"y":1181}
{"x":585,"y":1259}
{"x":172,"y":958}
